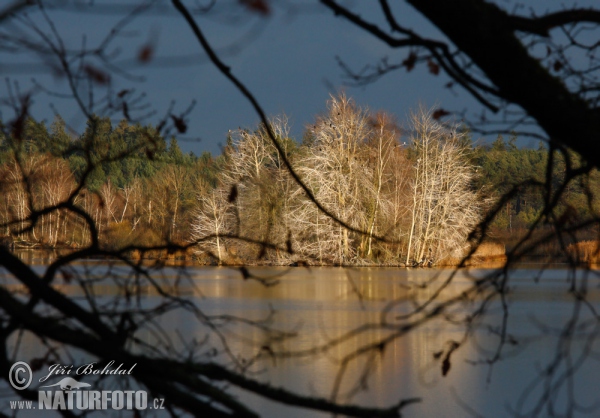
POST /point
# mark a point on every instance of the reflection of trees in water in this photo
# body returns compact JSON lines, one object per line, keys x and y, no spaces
{"x":413,"y":364}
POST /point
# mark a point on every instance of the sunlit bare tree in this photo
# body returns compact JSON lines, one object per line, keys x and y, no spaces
{"x":334,"y":167}
{"x":214,"y":222}
{"x":445,"y":208}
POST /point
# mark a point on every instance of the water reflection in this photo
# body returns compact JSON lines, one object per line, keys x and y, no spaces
{"x":319,"y":305}
{"x":325,"y":303}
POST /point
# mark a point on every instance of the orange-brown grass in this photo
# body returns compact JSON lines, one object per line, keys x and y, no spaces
{"x":487,"y":252}
{"x":585,"y":252}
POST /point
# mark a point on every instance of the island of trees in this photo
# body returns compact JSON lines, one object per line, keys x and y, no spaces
{"x":394,"y":196}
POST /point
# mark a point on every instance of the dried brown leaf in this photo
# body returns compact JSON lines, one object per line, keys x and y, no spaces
{"x":410,"y":61}
{"x":96,"y":75}
{"x":257,"y":6}
{"x":146,"y":53}
{"x":433,"y":67}
{"x":67,"y":276}
{"x":180,"y":124}
{"x":439,"y":113}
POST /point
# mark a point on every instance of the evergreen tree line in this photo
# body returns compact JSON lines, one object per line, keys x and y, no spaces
{"x":505,"y":166}
{"x":138,"y":189}
{"x":403,"y":196}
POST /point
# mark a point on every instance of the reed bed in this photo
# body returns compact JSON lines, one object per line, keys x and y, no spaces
{"x":585,"y":251}
{"x":487,"y":252}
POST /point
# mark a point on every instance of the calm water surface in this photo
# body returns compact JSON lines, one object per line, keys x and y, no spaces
{"x":321,"y":304}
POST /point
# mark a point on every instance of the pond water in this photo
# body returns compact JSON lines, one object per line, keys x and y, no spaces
{"x":549,"y":364}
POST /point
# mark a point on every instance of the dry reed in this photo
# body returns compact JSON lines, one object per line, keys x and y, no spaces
{"x":585,"y":252}
{"x":487,"y":252}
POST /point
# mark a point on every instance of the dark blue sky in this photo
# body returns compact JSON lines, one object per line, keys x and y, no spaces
{"x":287,"y":59}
